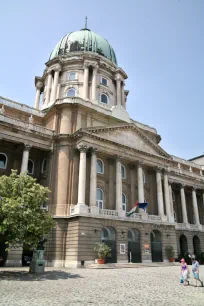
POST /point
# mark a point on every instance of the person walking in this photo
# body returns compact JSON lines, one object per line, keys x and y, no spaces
{"x":184,"y":272}
{"x":195,"y":270}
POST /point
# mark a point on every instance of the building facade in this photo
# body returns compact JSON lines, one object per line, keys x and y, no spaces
{"x":80,"y":141}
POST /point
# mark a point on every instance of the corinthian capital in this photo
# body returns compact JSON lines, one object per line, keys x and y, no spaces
{"x":39,"y":85}
{"x":57,"y":67}
{"x":82,"y":148}
{"x":27,"y":147}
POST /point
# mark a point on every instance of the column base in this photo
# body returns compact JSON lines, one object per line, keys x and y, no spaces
{"x":171,"y":219}
{"x":121,"y":214}
{"x":144,"y":215}
{"x":94,"y":210}
{"x":81,"y":209}
{"x":163,"y":218}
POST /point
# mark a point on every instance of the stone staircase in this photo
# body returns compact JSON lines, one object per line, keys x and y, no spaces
{"x":132,"y":265}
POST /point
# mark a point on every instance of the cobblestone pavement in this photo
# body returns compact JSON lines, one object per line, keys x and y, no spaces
{"x":142,"y":286}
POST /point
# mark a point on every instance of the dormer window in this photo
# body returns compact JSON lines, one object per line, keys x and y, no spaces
{"x":104,"y":98}
{"x":71,"y":92}
{"x":104,"y":81}
{"x":72,"y":76}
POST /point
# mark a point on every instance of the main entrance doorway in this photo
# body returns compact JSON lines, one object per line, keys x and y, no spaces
{"x":183,"y":245}
{"x":156,"y":246}
{"x":134,"y":247}
{"x":108,"y":236}
{"x":196,"y":245}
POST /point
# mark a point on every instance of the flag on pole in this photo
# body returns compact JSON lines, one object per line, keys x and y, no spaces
{"x":132,"y":211}
{"x":139,"y":205}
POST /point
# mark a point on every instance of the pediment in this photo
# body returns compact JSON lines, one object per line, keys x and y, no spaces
{"x":131,"y":136}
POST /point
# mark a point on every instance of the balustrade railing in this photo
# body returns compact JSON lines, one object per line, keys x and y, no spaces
{"x":135,"y":216}
{"x":154,"y":218}
{"x":22,"y":107}
{"x":26,"y":125}
{"x":108,"y":212}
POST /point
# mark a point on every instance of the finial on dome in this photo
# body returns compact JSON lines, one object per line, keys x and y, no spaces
{"x":86,"y":22}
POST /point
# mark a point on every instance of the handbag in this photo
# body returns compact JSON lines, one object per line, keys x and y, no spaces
{"x":181,"y":280}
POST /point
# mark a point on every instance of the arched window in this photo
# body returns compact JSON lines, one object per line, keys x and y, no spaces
{"x":123,"y":172}
{"x":124,"y":204}
{"x":44,"y":166}
{"x":72,"y":76}
{"x":99,"y":198}
{"x":100,"y":166}
{"x":3,"y":161}
{"x":104,"y":98}
{"x":71,"y":92}
{"x":30,"y":166}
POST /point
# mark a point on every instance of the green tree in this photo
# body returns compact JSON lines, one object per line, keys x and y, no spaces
{"x":21,"y":218}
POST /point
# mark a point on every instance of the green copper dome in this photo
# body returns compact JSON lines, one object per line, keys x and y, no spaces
{"x":84,"y":40}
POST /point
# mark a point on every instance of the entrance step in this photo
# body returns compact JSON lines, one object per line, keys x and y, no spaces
{"x":132,"y":265}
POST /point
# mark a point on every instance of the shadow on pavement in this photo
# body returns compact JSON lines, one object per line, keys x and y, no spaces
{"x":25,"y":276}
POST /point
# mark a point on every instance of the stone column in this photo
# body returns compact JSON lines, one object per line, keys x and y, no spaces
{"x":111,"y":184}
{"x":119,"y":187}
{"x":94,"y":79}
{"x":86,"y":80}
{"x":140,"y":184}
{"x":160,"y":194}
{"x":171,"y":201}
{"x":195,"y":207}
{"x":39,"y":87}
{"x":24,"y":164}
{"x":183,"y":205}
{"x":62,"y":180}
{"x":82,"y":175}
{"x":167,"y":198}
{"x":66,"y":121}
{"x":132,"y":185}
{"x":48,"y":88}
{"x":123,"y":94}
{"x":93,"y":178}
{"x":55,"y":84}
{"x":118,"y":90}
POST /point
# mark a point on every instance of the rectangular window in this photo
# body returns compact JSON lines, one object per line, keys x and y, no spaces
{"x":72,"y":76}
{"x":104,"y":81}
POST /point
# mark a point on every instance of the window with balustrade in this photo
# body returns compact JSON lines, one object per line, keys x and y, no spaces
{"x":124,"y":202}
{"x":123,"y":172}
{"x":30,"y":166}
{"x":3,"y":161}
{"x":99,"y":198}
{"x":44,"y":166}
{"x":100,"y":166}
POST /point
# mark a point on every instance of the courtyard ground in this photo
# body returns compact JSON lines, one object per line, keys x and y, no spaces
{"x":129,"y":286}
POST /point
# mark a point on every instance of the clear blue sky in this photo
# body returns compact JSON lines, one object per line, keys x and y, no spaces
{"x":159,"y":43}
